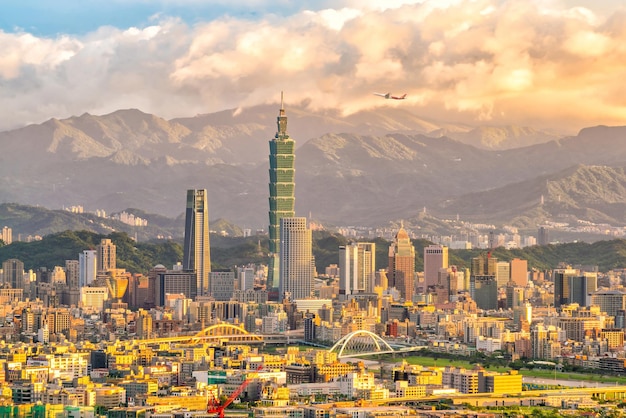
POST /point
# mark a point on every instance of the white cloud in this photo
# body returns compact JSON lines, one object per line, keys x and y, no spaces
{"x":501,"y":61}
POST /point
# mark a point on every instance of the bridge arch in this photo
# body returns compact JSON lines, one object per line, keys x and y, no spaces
{"x":227,"y":331}
{"x":360,"y":343}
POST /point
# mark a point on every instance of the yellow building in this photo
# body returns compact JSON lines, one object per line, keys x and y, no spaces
{"x":403,"y":390}
{"x":510,"y":382}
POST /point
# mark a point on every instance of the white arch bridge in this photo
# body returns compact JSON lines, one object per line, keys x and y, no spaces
{"x":366,"y":343}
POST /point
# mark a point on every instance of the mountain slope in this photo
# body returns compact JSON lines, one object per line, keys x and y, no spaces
{"x":351,"y":170}
{"x":592,"y":193}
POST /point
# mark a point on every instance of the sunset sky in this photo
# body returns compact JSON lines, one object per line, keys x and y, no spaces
{"x":549,"y":64}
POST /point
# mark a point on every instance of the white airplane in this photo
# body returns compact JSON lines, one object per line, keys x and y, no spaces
{"x":389,"y":96}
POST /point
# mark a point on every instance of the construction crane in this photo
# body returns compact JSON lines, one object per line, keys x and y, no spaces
{"x":214,"y":406}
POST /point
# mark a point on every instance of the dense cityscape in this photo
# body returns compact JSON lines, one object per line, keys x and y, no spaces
{"x":89,"y":339}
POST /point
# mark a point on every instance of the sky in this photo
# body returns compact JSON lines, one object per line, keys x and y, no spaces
{"x":550,"y":64}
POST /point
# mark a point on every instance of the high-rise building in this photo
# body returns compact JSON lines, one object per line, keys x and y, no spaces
{"x":13,"y":273}
{"x":282,"y":191}
{"x":435,"y":258}
{"x":87,"y":267}
{"x":106,"y":257}
{"x":610,"y":301}
{"x":503,"y":273}
{"x":7,"y":235}
{"x":484,"y":291}
{"x":582,"y":286}
{"x":573,"y":286}
{"x":222,"y":284}
{"x":175,"y":282}
{"x":245,"y":277}
{"x":519,"y":272}
{"x":196,"y":249}
{"x":543,"y":237}
{"x":357,"y":268}
{"x":402,"y":265}
{"x":483,"y":281}
{"x":72,"y":273}
{"x":484,"y":265}
{"x":297,"y":265}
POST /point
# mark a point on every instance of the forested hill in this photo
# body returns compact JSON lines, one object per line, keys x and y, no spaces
{"x":226,"y":252}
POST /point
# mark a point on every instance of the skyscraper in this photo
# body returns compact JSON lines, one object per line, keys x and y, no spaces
{"x":196,"y":249}
{"x":357,"y":268}
{"x":402,"y":265}
{"x":483,"y":281}
{"x":563,"y":285}
{"x":282,"y":191}
{"x":86,"y":267}
{"x":106,"y":258}
{"x":13,"y":273}
{"x":297,"y":265}
{"x":435,"y":258}
{"x":519,"y":272}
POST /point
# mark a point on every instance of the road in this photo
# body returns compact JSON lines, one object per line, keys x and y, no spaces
{"x":565,"y":382}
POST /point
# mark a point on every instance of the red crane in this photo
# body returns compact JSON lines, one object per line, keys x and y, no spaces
{"x":214,"y":406}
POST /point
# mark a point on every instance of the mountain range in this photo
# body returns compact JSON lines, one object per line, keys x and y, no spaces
{"x":368,"y":168}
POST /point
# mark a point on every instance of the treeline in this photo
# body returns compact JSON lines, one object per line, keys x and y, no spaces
{"x":226,"y":252}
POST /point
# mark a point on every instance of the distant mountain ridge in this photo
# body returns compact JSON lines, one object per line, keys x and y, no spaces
{"x":367,"y":168}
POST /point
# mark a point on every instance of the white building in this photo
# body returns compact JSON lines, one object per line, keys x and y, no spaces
{"x":297,"y":265}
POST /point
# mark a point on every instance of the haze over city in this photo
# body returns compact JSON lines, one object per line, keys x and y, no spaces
{"x":549,"y":64}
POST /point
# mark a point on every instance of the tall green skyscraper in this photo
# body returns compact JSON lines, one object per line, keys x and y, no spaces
{"x":282,"y":187}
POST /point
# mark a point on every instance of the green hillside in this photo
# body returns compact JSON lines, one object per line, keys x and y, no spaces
{"x":226,"y":252}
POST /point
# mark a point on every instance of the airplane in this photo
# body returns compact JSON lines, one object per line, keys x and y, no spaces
{"x":389,"y":96}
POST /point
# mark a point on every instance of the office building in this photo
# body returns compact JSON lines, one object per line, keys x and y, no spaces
{"x":582,"y":287}
{"x":222,"y":284}
{"x":72,"y":273}
{"x":503,"y":273}
{"x":282,"y":191}
{"x":245,"y":278}
{"x":573,"y":286}
{"x":87,"y":267}
{"x":401,"y":268}
{"x":357,"y":268}
{"x":483,"y":281}
{"x":13,"y":273}
{"x":175,"y":282}
{"x":519,"y":272}
{"x":610,"y":301}
{"x":484,"y":291}
{"x":196,"y":248}
{"x":543,"y":237}
{"x":297,"y":265}
{"x":94,"y":297}
{"x":435,"y":258}
{"x":484,"y":265}
{"x":106,"y":257}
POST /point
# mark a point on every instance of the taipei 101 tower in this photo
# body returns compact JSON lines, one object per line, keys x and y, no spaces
{"x":282,"y":187}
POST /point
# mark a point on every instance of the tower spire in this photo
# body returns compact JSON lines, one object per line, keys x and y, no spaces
{"x":282,"y":120}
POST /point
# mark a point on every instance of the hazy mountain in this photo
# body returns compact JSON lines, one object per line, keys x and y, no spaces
{"x":501,"y":137}
{"x":593,"y":193}
{"x":365,"y":168}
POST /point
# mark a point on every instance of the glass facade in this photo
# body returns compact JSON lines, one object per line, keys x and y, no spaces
{"x":281,"y":187}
